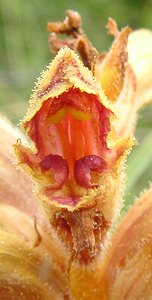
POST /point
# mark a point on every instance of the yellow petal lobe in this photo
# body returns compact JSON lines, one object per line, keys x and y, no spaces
{"x":25,"y":273}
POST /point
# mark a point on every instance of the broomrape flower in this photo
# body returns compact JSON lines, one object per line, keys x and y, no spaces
{"x":58,"y":242}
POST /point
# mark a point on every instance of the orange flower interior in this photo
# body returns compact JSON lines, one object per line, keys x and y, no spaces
{"x":69,"y":133}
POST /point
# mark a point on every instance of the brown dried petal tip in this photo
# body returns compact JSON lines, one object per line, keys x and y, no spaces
{"x":76,"y":40}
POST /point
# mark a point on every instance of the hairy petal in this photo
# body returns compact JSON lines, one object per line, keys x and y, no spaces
{"x":140,"y":59}
{"x":129,"y":262}
{"x":25,"y":273}
{"x":27,"y":229}
{"x":67,"y":105}
{"x":70,"y":124}
{"x":118,"y":80}
{"x":15,"y":187}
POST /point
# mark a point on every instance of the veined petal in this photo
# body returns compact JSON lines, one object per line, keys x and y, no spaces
{"x":140,"y":59}
{"x":137,"y":88}
{"x":118,"y":80}
{"x":110,"y":69}
{"x":15,"y":187}
{"x":128,"y":267}
{"x":125,"y":74}
{"x":25,"y":273}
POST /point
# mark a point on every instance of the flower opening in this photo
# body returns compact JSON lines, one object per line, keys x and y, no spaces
{"x":69,"y":122}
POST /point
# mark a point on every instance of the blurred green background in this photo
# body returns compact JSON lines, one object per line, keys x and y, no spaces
{"x":25,"y":53}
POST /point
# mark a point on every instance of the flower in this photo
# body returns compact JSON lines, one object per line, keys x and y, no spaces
{"x":58,"y":242}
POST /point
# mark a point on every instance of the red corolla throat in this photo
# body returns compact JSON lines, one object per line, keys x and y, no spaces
{"x":69,"y":133}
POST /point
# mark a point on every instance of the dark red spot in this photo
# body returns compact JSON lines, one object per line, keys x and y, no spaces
{"x":60,"y":167}
{"x":84,"y":165}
